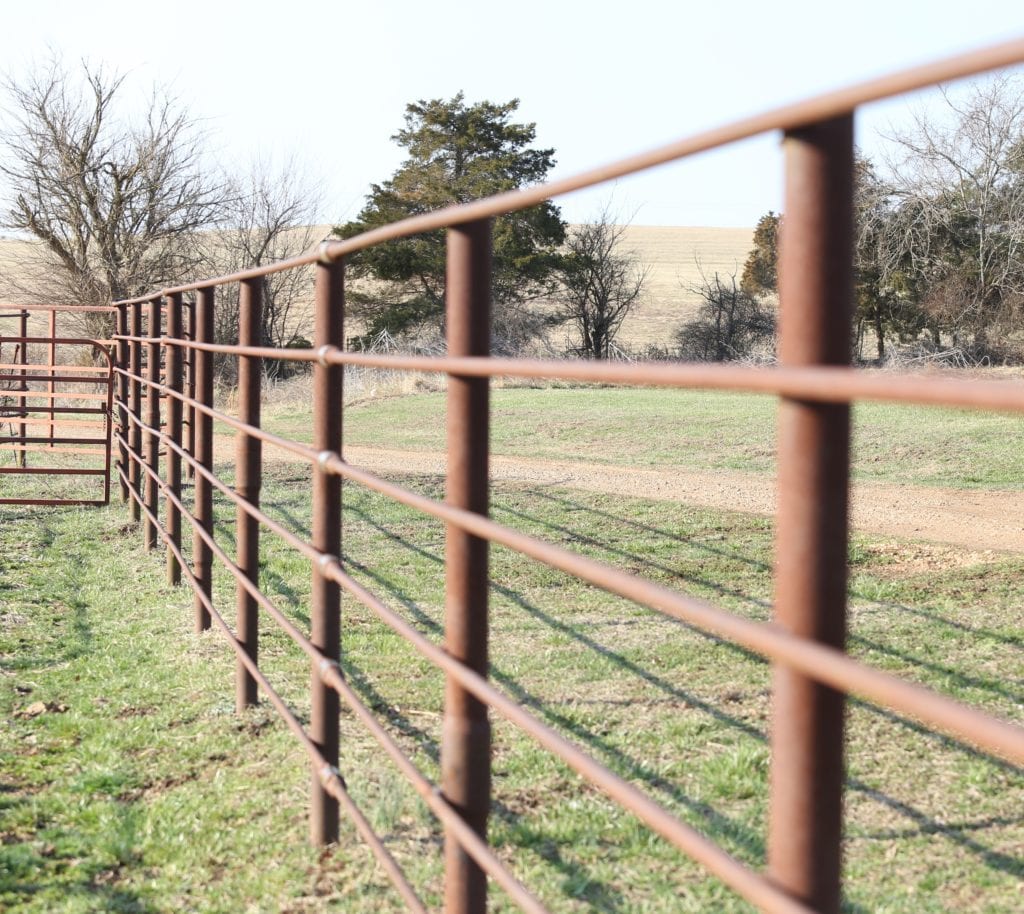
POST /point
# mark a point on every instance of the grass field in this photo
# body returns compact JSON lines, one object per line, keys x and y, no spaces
{"x":696,"y":429}
{"x":138,"y":789}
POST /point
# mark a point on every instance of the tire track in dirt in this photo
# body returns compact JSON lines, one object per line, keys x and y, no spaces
{"x":980,"y":519}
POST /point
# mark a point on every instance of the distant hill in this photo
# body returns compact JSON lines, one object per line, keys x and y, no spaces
{"x":674,"y":255}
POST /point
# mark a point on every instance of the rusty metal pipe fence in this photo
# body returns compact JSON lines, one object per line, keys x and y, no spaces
{"x":812,"y":673}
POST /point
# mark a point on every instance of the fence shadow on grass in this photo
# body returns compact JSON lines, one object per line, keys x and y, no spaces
{"x":924,"y":824}
{"x":293,"y":511}
{"x":960,"y":679}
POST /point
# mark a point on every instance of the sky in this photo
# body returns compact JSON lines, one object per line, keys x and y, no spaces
{"x":327,"y":82}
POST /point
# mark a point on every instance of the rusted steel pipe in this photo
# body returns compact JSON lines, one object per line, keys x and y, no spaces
{"x":750,"y":884}
{"x":190,"y":385}
{"x":33,"y":366}
{"x":39,"y":395}
{"x":31,"y":416}
{"x":974,"y":727}
{"x":135,"y":401}
{"x":445,"y":812}
{"x":203,"y":422}
{"x":53,"y":502}
{"x":108,"y":428}
{"x":292,"y":447}
{"x":265,"y":603}
{"x":329,"y":330}
{"x":329,"y":775}
{"x":89,"y":309}
{"x":248,"y":465}
{"x":23,"y":358}
{"x":173,"y":459}
{"x":807,"y":644}
{"x":815,"y":278}
{"x":59,"y":378}
{"x":466,"y":730}
{"x":149,"y":534}
{"x":50,"y":471}
{"x":46,"y":439}
{"x":52,"y":352}
{"x":820,"y":384}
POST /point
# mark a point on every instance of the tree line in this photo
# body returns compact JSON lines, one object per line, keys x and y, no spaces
{"x":122,"y":204}
{"x":939,"y":230}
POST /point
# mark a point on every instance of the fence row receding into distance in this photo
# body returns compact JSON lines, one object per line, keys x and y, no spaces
{"x":805,"y":641}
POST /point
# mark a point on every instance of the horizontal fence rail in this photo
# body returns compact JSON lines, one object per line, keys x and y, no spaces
{"x":37,"y":423}
{"x":164,"y":384}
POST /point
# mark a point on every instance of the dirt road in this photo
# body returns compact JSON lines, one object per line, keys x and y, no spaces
{"x":976,"y":519}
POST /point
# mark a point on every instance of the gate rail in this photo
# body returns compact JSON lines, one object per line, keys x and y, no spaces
{"x":88,"y":438}
{"x":812,"y":673}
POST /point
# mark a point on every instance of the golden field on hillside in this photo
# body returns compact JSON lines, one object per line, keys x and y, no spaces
{"x":675,"y":257}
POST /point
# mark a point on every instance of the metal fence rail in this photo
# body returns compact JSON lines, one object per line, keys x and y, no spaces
{"x":812,"y":674}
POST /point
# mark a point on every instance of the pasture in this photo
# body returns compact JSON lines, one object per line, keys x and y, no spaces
{"x":136,"y":788}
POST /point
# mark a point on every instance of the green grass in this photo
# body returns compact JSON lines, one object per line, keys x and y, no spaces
{"x":149,"y":794}
{"x":696,"y":429}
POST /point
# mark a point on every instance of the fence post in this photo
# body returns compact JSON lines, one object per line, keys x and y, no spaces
{"x":815,"y":276}
{"x":52,"y":362}
{"x":326,"y":601}
{"x":153,"y":421}
{"x":190,"y":387}
{"x":466,"y":732}
{"x":248,"y":456}
{"x":122,"y":396}
{"x":135,"y":406}
{"x":202,"y":557}
{"x":173,"y":371}
{"x":23,"y":410}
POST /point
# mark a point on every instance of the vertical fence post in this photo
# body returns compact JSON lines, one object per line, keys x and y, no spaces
{"x":153,"y":421}
{"x":135,"y":406}
{"x":248,"y":457}
{"x":173,"y":369}
{"x":23,"y":410}
{"x":52,"y":361}
{"x":190,"y":387}
{"x":202,"y":557}
{"x":815,"y":276}
{"x":466,"y":732}
{"x":122,"y":397}
{"x":329,"y":330}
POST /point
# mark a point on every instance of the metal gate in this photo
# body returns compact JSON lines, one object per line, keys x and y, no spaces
{"x":56,"y":395}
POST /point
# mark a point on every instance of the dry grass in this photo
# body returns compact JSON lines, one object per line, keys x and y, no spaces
{"x":675,"y":257}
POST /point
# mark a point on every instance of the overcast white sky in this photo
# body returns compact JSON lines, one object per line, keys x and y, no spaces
{"x":329,"y":80}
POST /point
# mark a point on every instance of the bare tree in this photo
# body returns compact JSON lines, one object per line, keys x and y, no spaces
{"x":955,"y":236}
{"x":116,"y":203}
{"x":600,"y":283}
{"x":731,"y":323}
{"x":268,"y":216}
